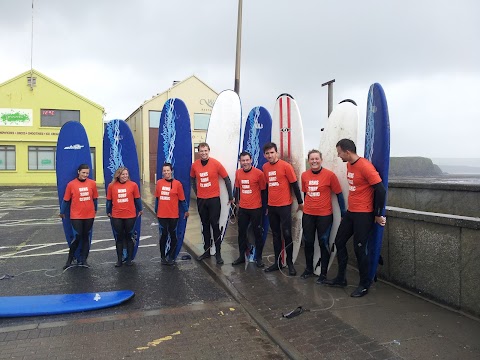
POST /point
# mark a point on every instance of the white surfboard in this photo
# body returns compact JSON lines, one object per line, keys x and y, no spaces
{"x":287,"y":133}
{"x":341,"y":124}
{"x":223,"y":136}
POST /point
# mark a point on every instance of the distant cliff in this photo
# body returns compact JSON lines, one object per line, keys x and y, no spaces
{"x":413,"y":166}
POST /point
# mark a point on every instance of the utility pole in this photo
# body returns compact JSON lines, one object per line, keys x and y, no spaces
{"x":239,"y":46}
{"x":330,"y":95}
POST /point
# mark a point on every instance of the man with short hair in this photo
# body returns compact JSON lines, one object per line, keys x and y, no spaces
{"x":280,"y":178}
{"x":249,"y":184}
{"x":366,"y":199}
{"x":204,"y":175}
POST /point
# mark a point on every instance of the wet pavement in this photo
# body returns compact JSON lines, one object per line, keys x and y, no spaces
{"x":200,"y":310}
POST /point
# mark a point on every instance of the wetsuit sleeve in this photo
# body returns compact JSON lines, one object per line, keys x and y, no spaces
{"x":156,"y":205}
{"x":379,"y":198}
{"x":341,"y":203}
{"x":296,"y":191}
{"x":264,"y":196}
{"x":228,"y":184}
{"x":109,"y":206}
{"x":184,"y":205}
{"x":95,"y":204}
{"x":64,"y":206}
{"x":236,"y":195}
{"x":138,"y":204}
{"x":193,"y":183}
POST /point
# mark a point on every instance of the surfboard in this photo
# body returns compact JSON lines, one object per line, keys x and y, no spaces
{"x":257,"y":132}
{"x":223,"y":137}
{"x":40,"y":305}
{"x":119,"y":150}
{"x":341,"y":124}
{"x":287,"y":133}
{"x":175,"y":147}
{"x":73,"y":150}
{"x":377,"y":150}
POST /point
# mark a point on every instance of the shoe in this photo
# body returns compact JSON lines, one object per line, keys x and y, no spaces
{"x":170,"y":262}
{"x":240,"y":260}
{"x":321,"y":279}
{"x":84,"y":263}
{"x":359,"y":292}
{"x":291,"y":270}
{"x":67,"y":265}
{"x":118,"y":264}
{"x":337,"y":282}
{"x":259,"y":263}
{"x":205,"y":255}
{"x":163,"y":261}
{"x":273,"y":267}
{"x":306,"y":274}
{"x":219,"y":259}
{"x":129,"y":262}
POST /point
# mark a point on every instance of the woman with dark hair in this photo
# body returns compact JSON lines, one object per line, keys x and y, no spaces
{"x":123,"y":206}
{"x":81,"y":197}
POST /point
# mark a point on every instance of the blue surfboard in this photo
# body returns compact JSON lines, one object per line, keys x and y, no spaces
{"x":40,"y":305}
{"x":175,"y":147}
{"x":119,"y":150}
{"x":73,"y":150}
{"x":258,"y":132}
{"x":377,"y":151}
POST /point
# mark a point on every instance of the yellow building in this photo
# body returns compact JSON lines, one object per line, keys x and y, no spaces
{"x":33,"y":108}
{"x":199,"y":99}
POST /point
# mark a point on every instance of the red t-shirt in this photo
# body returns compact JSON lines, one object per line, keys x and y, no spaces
{"x":207,"y":177}
{"x":169,"y":194}
{"x":361,"y":176}
{"x":250,"y":184}
{"x":81,"y":195}
{"x":279,"y":176}
{"x":122,"y":197}
{"x":318,"y":189}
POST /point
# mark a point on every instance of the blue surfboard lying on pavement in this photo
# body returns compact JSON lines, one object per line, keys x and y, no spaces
{"x":38,"y":305}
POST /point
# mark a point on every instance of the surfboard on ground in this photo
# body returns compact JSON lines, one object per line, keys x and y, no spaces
{"x":175,"y":147}
{"x":73,"y":150}
{"x":341,"y":124}
{"x":257,"y":132}
{"x":377,"y":150}
{"x":119,"y":150}
{"x":40,"y":305}
{"x":223,"y":137}
{"x":287,"y":133}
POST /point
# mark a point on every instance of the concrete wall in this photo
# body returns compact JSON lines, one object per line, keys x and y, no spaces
{"x":431,"y":243}
{"x":435,"y":195}
{"x":436,"y":255}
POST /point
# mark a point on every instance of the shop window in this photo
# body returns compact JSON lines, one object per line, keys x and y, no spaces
{"x":154,"y":118}
{"x":200,"y":121}
{"x":7,"y":157}
{"x":41,"y":157}
{"x":56,"y":118}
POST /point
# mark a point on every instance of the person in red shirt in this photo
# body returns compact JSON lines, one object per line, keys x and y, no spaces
{"x":168,"y":193}
{"x":81,"y":197}
{"x":366,"y":198}
{"x":204,"y":176}
{"x":124,"y":205}
{"x":317,"y":185}
{"x":250,"y":185}
{"x":280,"y":178}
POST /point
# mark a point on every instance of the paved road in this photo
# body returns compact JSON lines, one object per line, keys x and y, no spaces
{"x":178,"y":312}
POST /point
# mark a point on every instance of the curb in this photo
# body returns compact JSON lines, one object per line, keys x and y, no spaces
{"x":223,"y":281}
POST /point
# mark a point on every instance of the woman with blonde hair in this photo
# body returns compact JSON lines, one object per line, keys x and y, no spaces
{"x":123,"y":206}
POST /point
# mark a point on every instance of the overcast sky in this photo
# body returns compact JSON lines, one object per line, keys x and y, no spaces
{"x":118,"y":53}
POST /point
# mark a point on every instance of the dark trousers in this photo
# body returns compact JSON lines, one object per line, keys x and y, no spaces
{"x":280,"y":218}
{"x":319,"y":225}
{"x":209,"y":211}
{"x":168,"y":227}
{"x":123,"y":229}
{"x":245,"y":218}
{"x":81,"y":230}
{"x":360,"y":225}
